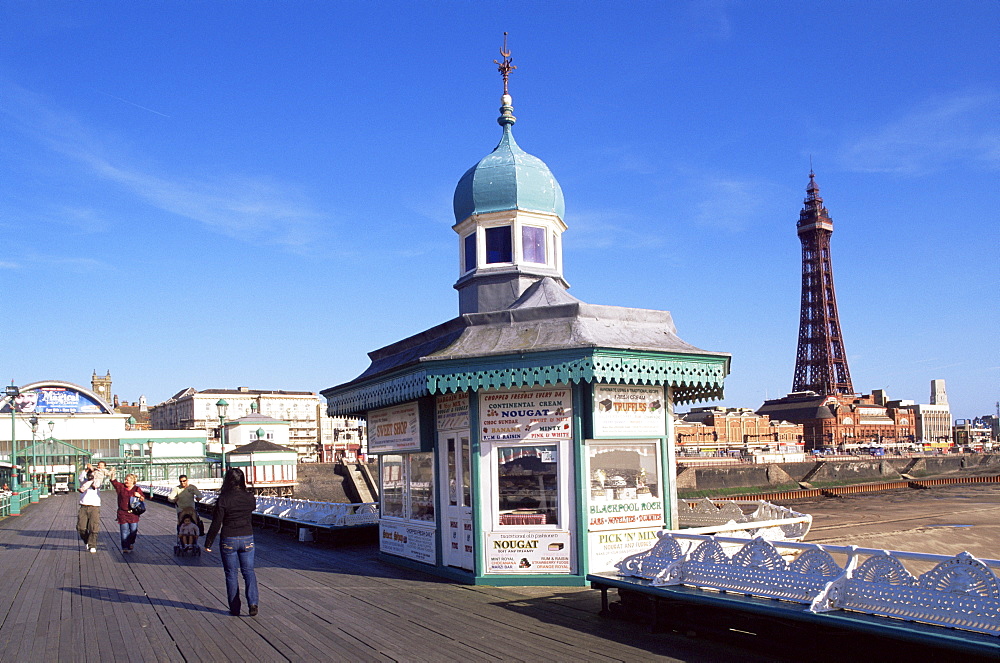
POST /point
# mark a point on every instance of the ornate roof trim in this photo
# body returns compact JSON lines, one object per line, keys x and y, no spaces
{"x":693,"y":377}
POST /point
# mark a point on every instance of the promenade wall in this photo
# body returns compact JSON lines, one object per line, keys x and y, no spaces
{"x":320,"y":482}
{"x":767,"y":476}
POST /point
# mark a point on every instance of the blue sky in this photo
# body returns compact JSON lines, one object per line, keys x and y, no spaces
{"x":222,"y":194}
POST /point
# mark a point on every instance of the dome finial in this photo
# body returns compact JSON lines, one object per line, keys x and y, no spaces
{"x":506,"y":104}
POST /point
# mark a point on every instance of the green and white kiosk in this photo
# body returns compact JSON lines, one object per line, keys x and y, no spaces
{"x":527,"y":441}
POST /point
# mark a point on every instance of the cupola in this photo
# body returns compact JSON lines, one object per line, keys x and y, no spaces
{"x":509,"y":218}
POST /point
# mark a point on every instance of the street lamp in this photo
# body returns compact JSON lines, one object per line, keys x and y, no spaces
{"x":52,"y":427}
{"x":33,"y":421}
{"x":222,"y":406}
{"x":13,"y":392}
{"x":149,"y":461}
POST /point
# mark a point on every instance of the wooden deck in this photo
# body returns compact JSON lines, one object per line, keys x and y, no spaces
{"x":329,"y":601}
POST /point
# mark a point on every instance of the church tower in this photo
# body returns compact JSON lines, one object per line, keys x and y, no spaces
{"x":101,"y":386}
{"x":509,"y":219}
{"x":820,"y":361}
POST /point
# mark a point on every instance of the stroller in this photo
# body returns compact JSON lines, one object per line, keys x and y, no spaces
{"x":187,"y":537}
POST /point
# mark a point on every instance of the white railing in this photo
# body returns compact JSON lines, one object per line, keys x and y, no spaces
{"x":959,"y":592}
{"x":305,"y":512}
{"x":309,"y":512}
{"x":742,"y":518}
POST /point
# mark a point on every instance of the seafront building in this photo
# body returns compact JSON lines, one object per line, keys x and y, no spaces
{"x":293,"y":418}
{"x":734,"y":431}
{"x":530,"y":439}
{"x":934,"y":428}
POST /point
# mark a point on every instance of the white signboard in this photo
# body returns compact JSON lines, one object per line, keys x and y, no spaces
{"x":453,"y":411}
{"x":624,"y":514}
{"x":608,"y":548}
{"x":629,"y":410}
{"x":415,"y":543}
{"x":528,"y":552}
{"x":526,"y":415}
{"x":394,"y":429}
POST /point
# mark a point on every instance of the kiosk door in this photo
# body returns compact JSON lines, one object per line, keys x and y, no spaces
{"x":458,"y":546}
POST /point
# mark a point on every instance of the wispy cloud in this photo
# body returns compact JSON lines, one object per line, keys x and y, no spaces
{"x":132,"y":103}
{"x":731,"y":204}
{"x":932,"y":136}
{"x":254,"y":208}
{"x":9,"y":265}
{"x":605,"y":229}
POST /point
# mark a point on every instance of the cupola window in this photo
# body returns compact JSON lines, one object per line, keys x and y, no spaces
{"x":470,"y":252}
{"x":498,"y":245}
{"x":533,"y":244}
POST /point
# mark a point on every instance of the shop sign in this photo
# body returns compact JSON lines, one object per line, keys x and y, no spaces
{"x":416,"y":543}
{"x":629,"y":410}
{"x":624,"y":514}
{"x":394,"y":429}
{"x":528,"y":552}
{"x":453,"y":411}
{"x":608,"y":548}
{"x":526,"y":415}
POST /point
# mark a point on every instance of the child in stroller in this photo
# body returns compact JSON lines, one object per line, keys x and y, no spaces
{"x":187,"y":537}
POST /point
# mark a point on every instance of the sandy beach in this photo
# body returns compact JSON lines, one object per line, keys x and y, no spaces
{"x":945,"y":520}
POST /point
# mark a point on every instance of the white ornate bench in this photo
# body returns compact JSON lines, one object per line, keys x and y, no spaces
{"x":812,"y":587}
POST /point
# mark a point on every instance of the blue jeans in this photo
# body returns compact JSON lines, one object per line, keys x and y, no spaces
{"x":237,"y":555}
{"x":128,"y":531}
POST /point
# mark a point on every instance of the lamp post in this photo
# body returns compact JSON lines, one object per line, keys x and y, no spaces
{"x":149,"y":461}
{"x":52,"y":428}
{"x":33,"y":421}
{"x":13,"y":392}
{"x":222,"y":406}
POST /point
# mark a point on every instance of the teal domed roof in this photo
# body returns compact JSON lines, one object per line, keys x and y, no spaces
{"x":508,"y":178}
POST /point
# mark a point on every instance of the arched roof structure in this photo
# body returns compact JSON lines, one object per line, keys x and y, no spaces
{"x":57,"y":397}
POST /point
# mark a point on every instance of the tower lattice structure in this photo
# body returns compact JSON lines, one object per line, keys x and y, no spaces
{"x":820,"y":361}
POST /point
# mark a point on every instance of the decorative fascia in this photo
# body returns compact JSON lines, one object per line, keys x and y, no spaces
{"x":694,"y":377}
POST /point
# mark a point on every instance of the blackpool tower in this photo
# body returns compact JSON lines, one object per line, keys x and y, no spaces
{"x":820,"y":362}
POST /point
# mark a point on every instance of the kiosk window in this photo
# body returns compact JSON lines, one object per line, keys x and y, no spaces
{"x":421,"y":486}
{"x":392,"y":486}
{"x":527,"y":485}
{"x":623,"y":472}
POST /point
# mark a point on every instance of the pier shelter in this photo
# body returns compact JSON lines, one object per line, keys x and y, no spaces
{"x":527,"y":441}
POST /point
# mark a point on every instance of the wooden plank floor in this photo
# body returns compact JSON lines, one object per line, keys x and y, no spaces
{"x":328,"y":601}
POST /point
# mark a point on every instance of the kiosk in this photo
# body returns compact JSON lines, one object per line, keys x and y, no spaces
{"x":528,"y":440}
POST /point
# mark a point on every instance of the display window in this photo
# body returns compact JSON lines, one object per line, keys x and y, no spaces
{"x":421,"y":486}
{"x":528,"y":485}
{"x":408,"y":486}
{"x":625,"y":486}
{"x":392,"y":486}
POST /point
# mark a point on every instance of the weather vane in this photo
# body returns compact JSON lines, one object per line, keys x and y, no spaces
{"x":505,"y":67}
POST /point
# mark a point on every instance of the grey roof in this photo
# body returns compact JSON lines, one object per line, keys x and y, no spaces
{"x":545,"y":318}
{"x":258,"y":446}
{"x":797,"y":409}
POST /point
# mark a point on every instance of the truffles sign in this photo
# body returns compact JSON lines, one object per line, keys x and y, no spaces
{"x":629,"y":411}
{"x":524,"y":552}
{"x":526,"y":415}
{"x":394,"y":429}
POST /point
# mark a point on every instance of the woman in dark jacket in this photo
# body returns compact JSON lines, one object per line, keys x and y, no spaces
{"x":128,"y":522}
{"x":232,"y":516}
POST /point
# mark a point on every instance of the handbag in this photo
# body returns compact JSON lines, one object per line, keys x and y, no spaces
{"x":136,"y":506}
